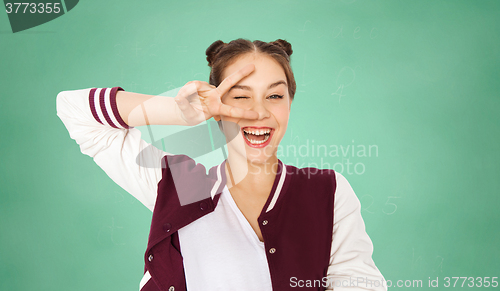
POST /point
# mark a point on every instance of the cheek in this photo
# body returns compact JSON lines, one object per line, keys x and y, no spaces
{"x":229,"y":120}
{"x":230,"y":128}
{"x":282,"y":115}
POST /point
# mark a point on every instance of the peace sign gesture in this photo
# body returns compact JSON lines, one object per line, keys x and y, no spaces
{"x":199,"y":101}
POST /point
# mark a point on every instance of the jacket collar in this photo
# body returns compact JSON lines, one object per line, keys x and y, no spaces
{"x":276,"y":190}
{"x":170,"y":214}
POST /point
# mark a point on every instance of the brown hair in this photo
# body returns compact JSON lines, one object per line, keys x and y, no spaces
{"x":220,"y":55}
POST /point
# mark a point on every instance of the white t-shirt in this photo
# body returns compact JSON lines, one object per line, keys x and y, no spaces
{"x":217,"y":243}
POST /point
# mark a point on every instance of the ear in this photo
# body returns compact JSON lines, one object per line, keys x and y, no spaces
{"x":217,"y":118}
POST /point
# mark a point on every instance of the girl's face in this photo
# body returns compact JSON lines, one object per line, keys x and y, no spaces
{"x":265,"y":91}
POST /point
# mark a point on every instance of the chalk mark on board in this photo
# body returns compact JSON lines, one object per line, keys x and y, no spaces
{"x":151,"y":46}
{"x":304,"y":27}
{"x":134,"y":86}
{"x":137,"y":48}
{"x":304,"y":84}
{"x":413,"y":261}
{"x":170,"y":86}
{"x":341,"y":73}
{"x":341,"y":88}
{"x":342,"y":81}
{"x":356,"y":30}
{"x":393,"y":204}
{"x":204,"y":76}
{"x":440,"y":265}
{"x":118,"y":197}
{"x":292,"y":138}
{"x":112,"y":229}
{"x":366,"y":208}
{"x":340,"y":32}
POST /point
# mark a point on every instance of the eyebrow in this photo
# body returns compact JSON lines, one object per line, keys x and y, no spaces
{"x":250,"y":89}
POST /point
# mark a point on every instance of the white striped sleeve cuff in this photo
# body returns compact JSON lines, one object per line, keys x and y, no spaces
{"x":102,"y":103}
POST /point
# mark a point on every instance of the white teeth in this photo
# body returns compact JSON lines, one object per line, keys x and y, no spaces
{"x":258,"y":132}
{"x":265,"y":132}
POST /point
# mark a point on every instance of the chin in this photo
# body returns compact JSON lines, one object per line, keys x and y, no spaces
{"x":262,"y":155}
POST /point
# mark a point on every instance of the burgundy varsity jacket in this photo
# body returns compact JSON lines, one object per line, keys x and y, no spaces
{"x":297,"y":231}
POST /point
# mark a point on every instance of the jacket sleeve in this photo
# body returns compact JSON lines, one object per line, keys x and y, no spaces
{"x":351,"y":264}
{"x":92,"y":119}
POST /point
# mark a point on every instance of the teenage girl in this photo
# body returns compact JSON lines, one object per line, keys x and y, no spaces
{"x":251,"y":223}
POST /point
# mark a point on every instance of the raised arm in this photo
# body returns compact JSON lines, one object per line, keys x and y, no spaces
{"x":139,"y":109}
{"x":102,"y":121}
{"x":196,"y":101}
{"x":92,"y":119}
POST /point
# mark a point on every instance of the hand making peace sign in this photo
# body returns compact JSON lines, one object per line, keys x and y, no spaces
{"x":199,"y":101}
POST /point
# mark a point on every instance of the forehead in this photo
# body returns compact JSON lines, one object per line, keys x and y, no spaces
{"x":267,"y":69}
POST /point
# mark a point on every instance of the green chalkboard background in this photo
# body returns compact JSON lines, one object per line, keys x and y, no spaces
{"x":417,"y":82}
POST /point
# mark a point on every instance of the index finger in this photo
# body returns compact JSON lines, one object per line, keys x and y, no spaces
{"x":234,"y":78}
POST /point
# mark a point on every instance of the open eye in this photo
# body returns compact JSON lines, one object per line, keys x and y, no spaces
{"x":276,"y":96}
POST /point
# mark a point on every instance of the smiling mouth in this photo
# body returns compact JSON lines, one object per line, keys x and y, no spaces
{"x":257,"y":136}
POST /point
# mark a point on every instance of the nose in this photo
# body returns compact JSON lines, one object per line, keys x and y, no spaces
{"x":261,"y":109}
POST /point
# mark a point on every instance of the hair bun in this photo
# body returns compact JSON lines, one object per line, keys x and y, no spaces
{"x":213,"y":50}
{"x":285,"y":45}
